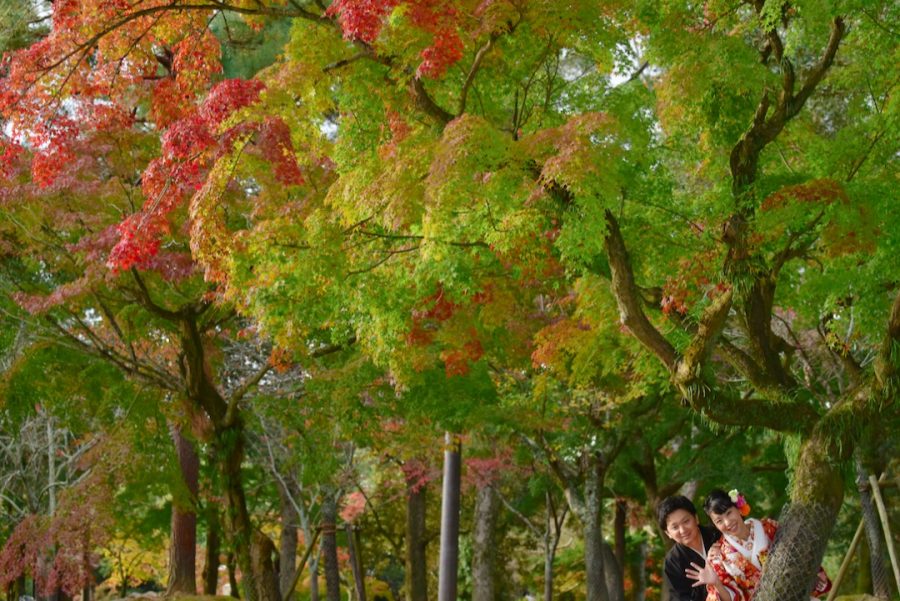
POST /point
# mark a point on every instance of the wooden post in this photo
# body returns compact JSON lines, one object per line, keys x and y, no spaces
{"x":886,"y":525}
{"x":303,"y":561}
{"x":836,"y":583}
{"x":356,"y":564}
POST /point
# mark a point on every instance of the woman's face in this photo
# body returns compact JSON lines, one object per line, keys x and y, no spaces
{"x":731,"y":522}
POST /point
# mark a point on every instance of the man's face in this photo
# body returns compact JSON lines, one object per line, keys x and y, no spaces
{"x":682,"y":526}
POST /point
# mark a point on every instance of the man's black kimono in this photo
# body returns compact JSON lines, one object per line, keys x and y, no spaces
{"x":678,"y":559}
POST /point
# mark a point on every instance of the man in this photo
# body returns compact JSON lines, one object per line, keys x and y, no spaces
{"x":678,"y":519}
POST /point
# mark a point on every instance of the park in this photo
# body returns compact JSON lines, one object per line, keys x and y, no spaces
{"x":453,"y":300}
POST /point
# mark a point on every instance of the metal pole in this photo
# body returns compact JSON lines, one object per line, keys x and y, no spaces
{"x":449,"y":561}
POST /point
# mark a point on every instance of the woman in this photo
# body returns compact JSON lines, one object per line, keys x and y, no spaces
{"x":734,"y":564}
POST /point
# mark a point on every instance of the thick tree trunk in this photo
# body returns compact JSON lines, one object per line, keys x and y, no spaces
{"x":211,"y":567}
{"x":805,"y":524}
{"x":484,"y":547}
{"x":183,"y":547}
{"x":262,"y":550}
{"x":256,"y":577}
{"x":329,"y":549}
{"x":449,"y":558}
{"x":416,"y":567}
{"x":287,"y":549}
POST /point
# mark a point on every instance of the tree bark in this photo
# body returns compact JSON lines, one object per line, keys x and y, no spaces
{"x":211,"y":567}
{"x":416,"y":563}
{"x":595,"y":575}
{"x":288,"y":543}
{"x":484,"y":547}
{"x":612,"y":574}
{"x":261,"y":552}
{"x":232,"y":576}
{"x":356,"y":563}
{"x":639,"y":574}
{"x":805,"y":524}
{"x":449,"y":559}
{"x":183,"y":547}
{"x":329,"y":549}
{"x":619,"y":530}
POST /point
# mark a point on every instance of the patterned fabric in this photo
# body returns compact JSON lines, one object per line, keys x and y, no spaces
{"x":739,"y":564}
{"x":734,"y":562}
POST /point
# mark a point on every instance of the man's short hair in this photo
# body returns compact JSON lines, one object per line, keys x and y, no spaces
{"x":671,"y":504}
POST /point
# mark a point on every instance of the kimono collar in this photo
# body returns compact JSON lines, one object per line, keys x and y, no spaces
{"x":760,"y":543}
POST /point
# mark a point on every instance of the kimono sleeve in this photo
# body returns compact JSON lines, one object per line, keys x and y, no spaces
{"x":716,"y":560}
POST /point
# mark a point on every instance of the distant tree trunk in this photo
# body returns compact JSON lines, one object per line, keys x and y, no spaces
{"x":314,"y":575}
{"x":288,"y":543}
{"x":211,"y":567}
{"x":231,"y":565}
{"x":484,"y":548}
{"x":612,"y":574}
{"x":552,"y":532}
{"x":449,"y":557}
{"x":591,"y":519}
{"x":639,"y":574}
{"x":329,"y":549}
{"x":416,"y":585}
{"x":619,"y":530}
{"x":356,"y":563}
{"x":183,"y":547}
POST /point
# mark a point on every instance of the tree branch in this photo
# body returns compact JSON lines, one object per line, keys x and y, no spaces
{"x":630,"y":310}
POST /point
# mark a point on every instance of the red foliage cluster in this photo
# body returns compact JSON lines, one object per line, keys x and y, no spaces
{"x":363,"y":20}
{"x":821,"y":191}
{"x":417,"y":474}
{"x":689,"y":283}
{"x":486,"y":471}
{"x":457,"y":360}
{"x":58,"y":552}
{"x":190,"y":146}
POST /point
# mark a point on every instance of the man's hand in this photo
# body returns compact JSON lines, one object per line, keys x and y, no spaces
{"x":703,"y":575}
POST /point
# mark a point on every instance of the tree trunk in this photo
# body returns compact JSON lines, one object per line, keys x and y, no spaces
{"x":314,"y":575}
{"x":232,"y":576}
{"x":619,"y":530}
{"x":416,"y":563}
{"x":612,"y":574}
{"x":356,"y":563}
{"x":211,"y":567}
{"x":261,"y":552}
{"x":449,"y":557}
{"x":806,"y":523}
{"x":593,"y":534}
{"x":329,"y":549}
{"x":183,"y":547}
{"x":288,"y":544}
{"x":484,"y":548}
{"x":639,"y":574}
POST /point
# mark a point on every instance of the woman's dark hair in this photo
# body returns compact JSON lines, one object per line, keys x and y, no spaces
{"x":718,"y":502}
{"x":671,"y":504}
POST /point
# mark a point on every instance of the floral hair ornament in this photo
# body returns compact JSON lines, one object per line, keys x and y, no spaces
{"x":739,"y":501}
